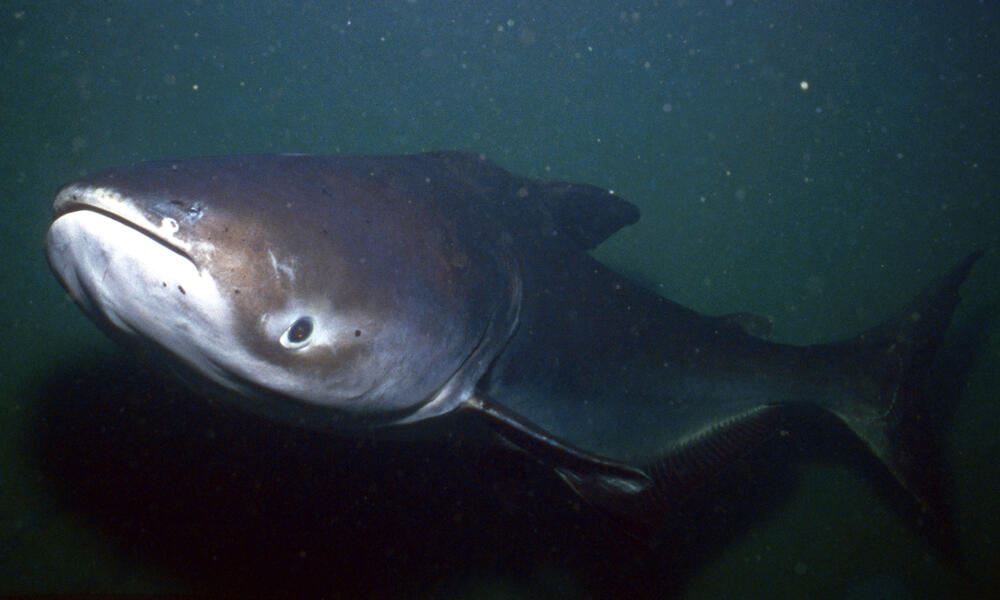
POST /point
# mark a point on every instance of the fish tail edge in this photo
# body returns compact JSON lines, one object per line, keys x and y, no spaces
{"x":904,"y":433}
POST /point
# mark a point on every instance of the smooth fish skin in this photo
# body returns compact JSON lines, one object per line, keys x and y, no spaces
{"x":386,"y":292}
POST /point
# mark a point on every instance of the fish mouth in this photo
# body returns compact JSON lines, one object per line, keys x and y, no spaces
{"x":112,"y":205}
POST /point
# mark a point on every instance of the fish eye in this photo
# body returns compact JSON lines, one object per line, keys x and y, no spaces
{"x":298,"y":333}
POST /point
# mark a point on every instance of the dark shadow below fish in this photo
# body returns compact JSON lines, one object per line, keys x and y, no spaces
{"x":228,"y":502}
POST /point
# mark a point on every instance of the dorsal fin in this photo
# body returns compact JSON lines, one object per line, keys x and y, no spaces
{"x":586,"y":213}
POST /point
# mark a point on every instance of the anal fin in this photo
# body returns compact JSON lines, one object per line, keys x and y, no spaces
{"x":683,"y":470}
{"x":643,"y":497}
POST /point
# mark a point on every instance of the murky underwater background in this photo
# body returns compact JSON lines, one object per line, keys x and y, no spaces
{"x":815,"y":162}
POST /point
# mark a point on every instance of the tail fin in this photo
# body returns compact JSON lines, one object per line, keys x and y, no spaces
{"x":904,"y":435}
{"x":881,"y":396}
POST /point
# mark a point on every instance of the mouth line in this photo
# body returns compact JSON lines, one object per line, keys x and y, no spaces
{"x":75,"y":207}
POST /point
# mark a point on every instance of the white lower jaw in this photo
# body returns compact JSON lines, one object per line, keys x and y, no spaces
{"x":136,"y":284}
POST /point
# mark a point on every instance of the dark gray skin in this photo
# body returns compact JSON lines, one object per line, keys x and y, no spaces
{"x":439,"y":283}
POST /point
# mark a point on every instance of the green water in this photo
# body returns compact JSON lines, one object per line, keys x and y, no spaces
{"x":815,"y":162}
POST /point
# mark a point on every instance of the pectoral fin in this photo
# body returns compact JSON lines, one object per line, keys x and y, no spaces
{"x":601,"y":475}
{"x":643,"y":497}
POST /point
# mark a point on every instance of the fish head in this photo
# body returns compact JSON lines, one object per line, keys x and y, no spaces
{"x":318,"y":290}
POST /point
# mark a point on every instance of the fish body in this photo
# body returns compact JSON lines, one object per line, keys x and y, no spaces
{"x":384,"y":293}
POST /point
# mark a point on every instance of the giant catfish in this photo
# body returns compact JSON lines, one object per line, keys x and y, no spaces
{"x":386,"y":293}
